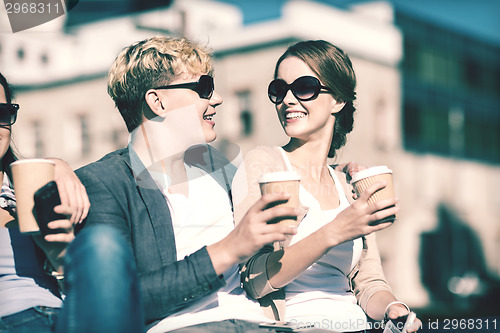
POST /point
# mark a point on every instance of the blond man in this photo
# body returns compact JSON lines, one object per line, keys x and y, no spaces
{"x":176,"y":216}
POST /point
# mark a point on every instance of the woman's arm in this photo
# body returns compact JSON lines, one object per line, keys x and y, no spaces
{"x":383,"y":305}
{"x":268,"y":271}
{"x":357,"y":220}
{"x":74,"y":204}
{"x":371,"y":288}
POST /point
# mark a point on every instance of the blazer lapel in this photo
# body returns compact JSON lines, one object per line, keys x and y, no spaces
{"x":157,"y":208}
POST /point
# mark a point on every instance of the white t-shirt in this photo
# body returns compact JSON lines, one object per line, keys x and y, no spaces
{"x":204,"y":218}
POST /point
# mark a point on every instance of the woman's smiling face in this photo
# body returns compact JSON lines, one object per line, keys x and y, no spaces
{"x":305,"y":119}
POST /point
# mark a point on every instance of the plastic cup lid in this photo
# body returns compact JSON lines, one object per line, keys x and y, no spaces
{"x":373,"y":171}
{"x":280,"y":176}
{"x":33,"y":160}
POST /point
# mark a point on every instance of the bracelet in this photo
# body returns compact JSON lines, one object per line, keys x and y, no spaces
{"x":392,"y":303}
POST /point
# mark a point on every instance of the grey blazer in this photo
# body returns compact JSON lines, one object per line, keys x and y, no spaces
{"x":138,"y":209}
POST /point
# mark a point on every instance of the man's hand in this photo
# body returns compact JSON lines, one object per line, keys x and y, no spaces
{"x":253,"y":232}
{"x":349,"y":168}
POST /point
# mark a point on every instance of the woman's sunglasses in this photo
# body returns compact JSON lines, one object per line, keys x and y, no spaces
{"x":305,"y":88}
{"x":8,"y":113}
{"x":204,"y":87}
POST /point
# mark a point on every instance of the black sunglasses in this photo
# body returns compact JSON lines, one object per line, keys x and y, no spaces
{"x":8,"y":113}
{"x":204,"y":87}
{"x":305,"y":88}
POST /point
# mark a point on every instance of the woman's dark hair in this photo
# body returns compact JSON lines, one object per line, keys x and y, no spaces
{"x":9,"y":156}
{"x":334,"y":69}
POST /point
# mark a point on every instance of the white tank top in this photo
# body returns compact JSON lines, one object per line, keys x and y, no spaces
{"x":321,"y":294}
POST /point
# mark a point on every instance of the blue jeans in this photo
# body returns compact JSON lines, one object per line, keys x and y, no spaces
{"x":225,"y":326}
{"x":102,"y":290}
{"x":38,"y":319}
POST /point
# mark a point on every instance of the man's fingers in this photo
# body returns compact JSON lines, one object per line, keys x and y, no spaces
{"x":275,"y":232}
{"x":269,"y":198}
{"x":275,"y":214}
{"x":351,"y":168}
{"x":383,"y":204}
{"x":279,"y":228}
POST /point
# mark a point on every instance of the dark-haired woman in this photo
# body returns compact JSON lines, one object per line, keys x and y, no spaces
{"x":30,"y":298}
{"x":329,"y":274}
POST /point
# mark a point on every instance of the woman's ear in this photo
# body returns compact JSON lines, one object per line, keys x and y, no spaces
{"x":154,"y":102}
{"x":337,"y":107}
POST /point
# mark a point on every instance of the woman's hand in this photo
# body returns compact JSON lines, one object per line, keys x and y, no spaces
{"x":398,"y":310}
{"x":72,"y":192}
{"x":360,"y":218}
{"x":67,"y":226}
{"x":54,"y":245}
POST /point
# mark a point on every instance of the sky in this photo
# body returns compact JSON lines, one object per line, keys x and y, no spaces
{"x":477,"y":18}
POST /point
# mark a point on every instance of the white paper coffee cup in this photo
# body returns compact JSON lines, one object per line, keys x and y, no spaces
{"x":282,"y":182}
{"x":363,"y":179}
{"x":28,"y":176}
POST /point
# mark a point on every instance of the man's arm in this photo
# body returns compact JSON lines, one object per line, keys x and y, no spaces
{"x":168,"y":287}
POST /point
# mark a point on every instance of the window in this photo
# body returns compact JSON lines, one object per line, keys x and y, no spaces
{"x":20,"y":54}
{"x":119,"y":137}
{"x":85,"y":135}
{"x":382,"y":124}
{"x":472,"y":73}
{"x":44,"y":58}
{"x":38,"y":145}
{"x":451,"y":87}
{"x":434,"y":131}
{"x":482,"y":137}
{"x":246,"y":116}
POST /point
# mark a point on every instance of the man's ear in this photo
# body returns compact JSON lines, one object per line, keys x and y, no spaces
{"x":337,"y":106}
{"x":154,"y":102}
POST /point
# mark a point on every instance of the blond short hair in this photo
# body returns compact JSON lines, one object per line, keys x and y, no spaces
{"x":150,"y":63}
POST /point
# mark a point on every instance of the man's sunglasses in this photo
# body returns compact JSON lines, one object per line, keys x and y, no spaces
{"x":204,"y":87}
{"x":305,"y":88}
{"x":8,"y":113}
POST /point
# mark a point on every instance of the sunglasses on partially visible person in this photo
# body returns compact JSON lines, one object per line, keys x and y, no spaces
{"x":8,"y":113}
{"x":204,"y":86}
{"x":305,"y":88}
